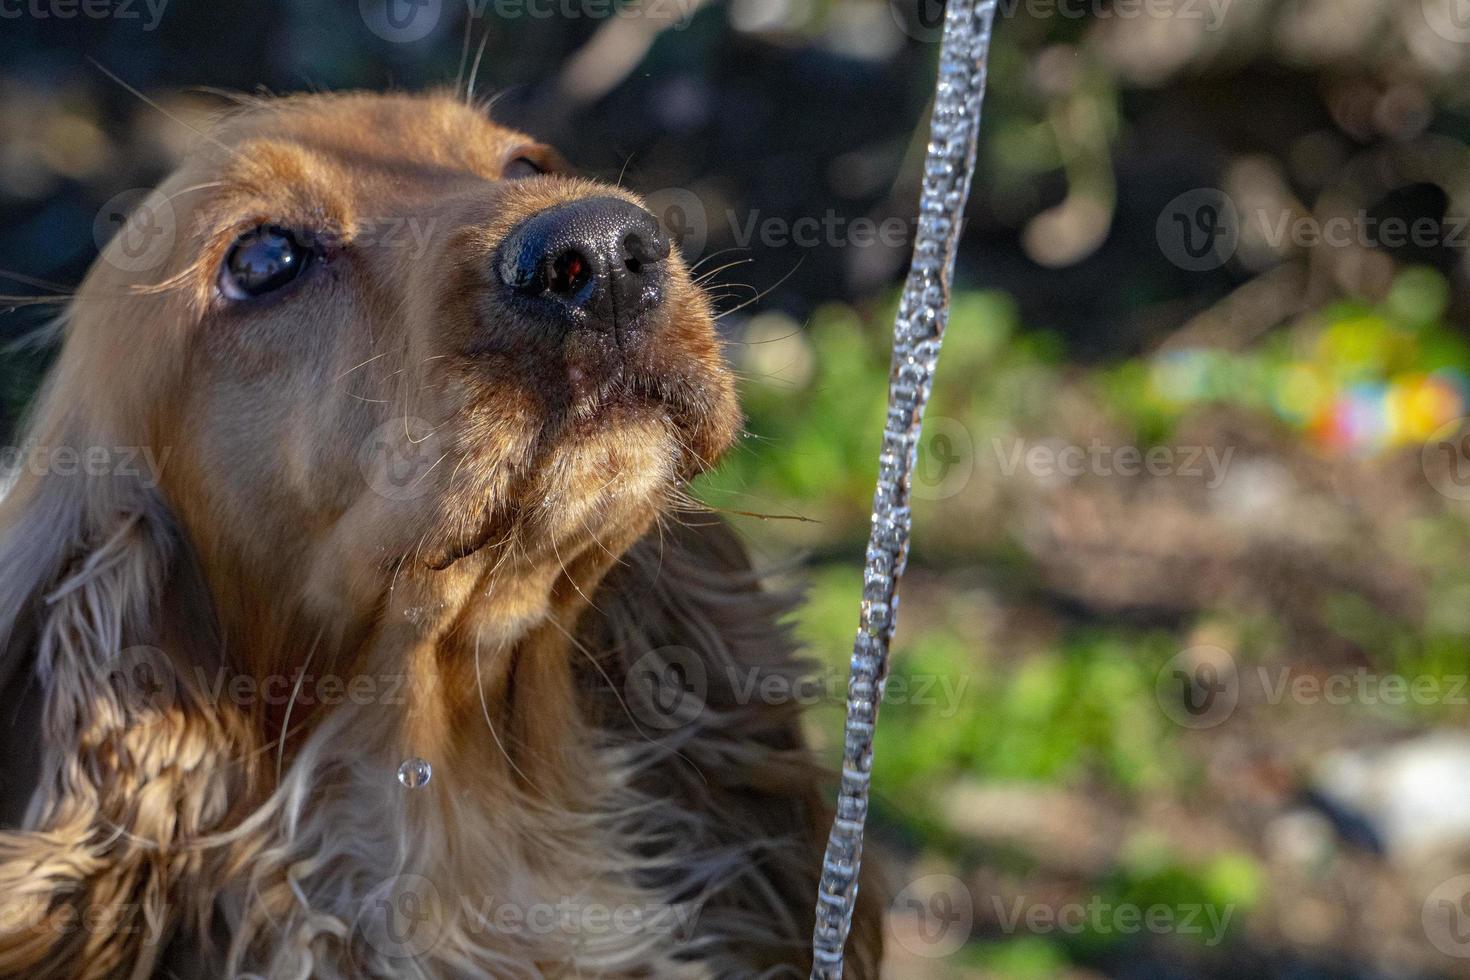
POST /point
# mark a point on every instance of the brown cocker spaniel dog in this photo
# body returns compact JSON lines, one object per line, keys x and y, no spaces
{"x":354,"y":619}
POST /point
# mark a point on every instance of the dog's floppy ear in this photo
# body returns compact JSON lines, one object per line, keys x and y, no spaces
{"x":128,"y":762}
{"x":708,"y":696}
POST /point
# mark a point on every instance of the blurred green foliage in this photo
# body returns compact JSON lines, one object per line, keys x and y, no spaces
{"x":1073,"y":705}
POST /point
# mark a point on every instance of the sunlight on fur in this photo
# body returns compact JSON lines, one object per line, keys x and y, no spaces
{"x":385,"y":500}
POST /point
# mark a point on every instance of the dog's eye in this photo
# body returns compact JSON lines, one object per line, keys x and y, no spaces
{"x":263,"y":260}
{"x":522,"y":167}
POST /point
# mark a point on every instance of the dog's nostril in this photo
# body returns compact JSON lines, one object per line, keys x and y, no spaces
{"x":640,"y":250}
{"x":569,"y":272}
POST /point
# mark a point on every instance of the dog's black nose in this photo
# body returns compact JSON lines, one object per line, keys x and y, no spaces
{"x":597,"y":264}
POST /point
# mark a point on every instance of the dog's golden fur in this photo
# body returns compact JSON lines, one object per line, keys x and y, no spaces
{"x":501,"y":612}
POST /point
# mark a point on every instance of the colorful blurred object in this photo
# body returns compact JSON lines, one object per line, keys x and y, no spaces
{"x":1373,"y":378}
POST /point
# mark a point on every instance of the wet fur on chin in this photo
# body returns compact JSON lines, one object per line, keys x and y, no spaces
{"x":187,"y":833}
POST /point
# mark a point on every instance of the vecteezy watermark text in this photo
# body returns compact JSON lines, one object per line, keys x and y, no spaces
{"x":19,"y":916}
{"x":935,"y":915}
{"x":1201,"y":230}
{"x":1099,"y":916}
{"x":404,"y":917}
{"x":150,"y":12}
{"x":406,"y":21}
{"x":669,"y":687}
{"x":142,"y":463}
{"x":1200,"y":687}
{"x":923,"y":20}
{"x":1048,"y":460}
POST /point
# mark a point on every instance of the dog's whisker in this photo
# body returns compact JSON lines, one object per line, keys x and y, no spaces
{"x":768,"y":379}
{"x":765,"y":292}
{"x":291,"y":703}
{"x":469,"y":94}
{"x":37,"y":282}
{"x":194,"y":188}
{"x":485,"y":707}
{"x":18,"y":301}
{"x":133,"y":91}
{"x":716,"y":254}
{"x":360,"y":364}
{"x":464,"y":50}
{"x":612,"y":687}
{"x":706,"y":276}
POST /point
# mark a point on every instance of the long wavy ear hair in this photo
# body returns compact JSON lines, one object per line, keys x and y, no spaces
{"x":697,"y":680}
{"x":112,"y":761}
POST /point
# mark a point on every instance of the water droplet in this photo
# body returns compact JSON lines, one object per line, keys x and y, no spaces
{"x":415,"y":772}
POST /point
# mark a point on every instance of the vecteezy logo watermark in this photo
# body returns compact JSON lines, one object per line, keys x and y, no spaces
{"x":150,"y":12}
{"x":1445,"y":459}
{"x":1450,"y":19}
{"x":923,"y":20}
{"x":1446,"y":917}
{"x":933,"y":916}
{"x":946,"y":459}
{"x":1050,"y":460}
{"x":401,"y":21}
{"x":143,"y":681}
{"x":1199,"y":230}
{"x":683,"y":217}
{"x":403,"y":917}
{"x":1198,"y":687}
{"x":140,"y":225}
{"x":397,"y":458}
{"x":667,"y":688}
{"x":1099,"y":916}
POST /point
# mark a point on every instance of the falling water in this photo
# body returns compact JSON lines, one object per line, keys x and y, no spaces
{"x":917,"y":333}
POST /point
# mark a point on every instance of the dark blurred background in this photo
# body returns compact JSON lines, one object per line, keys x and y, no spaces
{"x":1180,"y":686}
